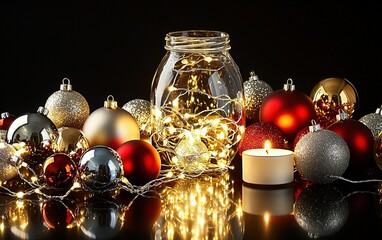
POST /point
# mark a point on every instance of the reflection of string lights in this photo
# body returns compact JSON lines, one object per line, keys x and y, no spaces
{"x":199,"y":209}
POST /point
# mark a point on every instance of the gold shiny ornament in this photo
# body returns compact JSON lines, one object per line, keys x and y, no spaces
{"x":7,"y":168}
{"x":71,"y":141}
{"x":140,"y":109}
{"x":191,"y":154}
{"x":331,"y":95}
{"x":67,"y":107}
{"x":110,"y":125}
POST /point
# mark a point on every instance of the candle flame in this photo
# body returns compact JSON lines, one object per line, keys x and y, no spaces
{"x":267,"y":145}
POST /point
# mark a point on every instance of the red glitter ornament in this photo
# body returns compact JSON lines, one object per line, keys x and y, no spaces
{"x":59,"y":170}
{"x":288,"y":109}
{"x":360,"y":141}
{"x":257,"y":133}
{"x":299,"y":135}
{"x":141,"y":161}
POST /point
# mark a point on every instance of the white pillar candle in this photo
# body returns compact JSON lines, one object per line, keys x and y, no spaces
{"x":268,"y":166}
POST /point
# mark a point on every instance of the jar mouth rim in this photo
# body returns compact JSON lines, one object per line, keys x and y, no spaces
{"x":198,"y":34}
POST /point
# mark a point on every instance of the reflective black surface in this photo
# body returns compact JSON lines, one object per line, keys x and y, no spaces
{"x":207,"y":207}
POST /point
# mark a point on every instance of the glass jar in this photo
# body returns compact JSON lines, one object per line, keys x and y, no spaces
{"x":197,"y":98}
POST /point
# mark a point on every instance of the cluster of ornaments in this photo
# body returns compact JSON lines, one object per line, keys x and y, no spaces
{"x":327,"y":142}
{"x":63,"y":143}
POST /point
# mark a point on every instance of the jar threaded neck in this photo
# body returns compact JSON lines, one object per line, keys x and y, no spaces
{"x":197,"y":41}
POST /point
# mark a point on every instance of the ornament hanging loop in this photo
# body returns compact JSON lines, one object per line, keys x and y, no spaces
{"x":378,"y":110}
{"x":253,"y":76}
{"x":314,"y":127}
{"x":289,"y":85}
{"x":110,"y":103}
{"x":342,"y":115}
{"x":66,"y":86}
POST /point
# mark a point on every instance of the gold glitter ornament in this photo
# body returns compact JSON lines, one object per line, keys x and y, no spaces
{"x":7,"y":168}
{"x":140,"y":109}
{"x":373,"y":121}
{"x":110,"y":125}
{"x":255,"y":91}
{"x":67,"y":107}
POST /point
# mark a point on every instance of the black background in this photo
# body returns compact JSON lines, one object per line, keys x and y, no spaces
{"x":114,"y":47}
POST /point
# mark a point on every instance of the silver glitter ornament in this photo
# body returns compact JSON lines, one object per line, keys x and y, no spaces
{"x":321,"y":155}
{"x":373,"y":121}
{"x":255,"y":91}
{"x":321,"y":210}
{"x":67,"y":107}
{"x":140,"y":109}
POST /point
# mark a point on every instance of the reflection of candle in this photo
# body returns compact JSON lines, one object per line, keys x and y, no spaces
{"x":267,"y":201}
{"x":267,"y":166}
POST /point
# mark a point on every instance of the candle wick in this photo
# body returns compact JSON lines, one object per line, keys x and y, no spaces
{"x":266,"y":151}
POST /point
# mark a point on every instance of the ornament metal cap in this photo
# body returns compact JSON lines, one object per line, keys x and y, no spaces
{"x":110,"y":103}
{"x":66,"y":86}
{"x":289,"y":85}
{"x":42,"y":110}
{"x":253,"y":76}
{"x":378,"y":111}
{"x":5,"y":115}
{"x":341,"y":115}
{"x":314,"y":127}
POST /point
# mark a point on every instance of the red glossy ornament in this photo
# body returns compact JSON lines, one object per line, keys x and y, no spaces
{"x":59,"y":170}
{"x":288,"y":109}
{"x":360,"y":141}
{"x":6,"y":120}
{"x":56,"y":214}
{"x":257,"y":133}
{"x":141,"y":161}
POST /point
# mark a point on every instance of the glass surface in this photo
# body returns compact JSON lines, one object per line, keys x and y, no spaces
{"x":207,"y":207}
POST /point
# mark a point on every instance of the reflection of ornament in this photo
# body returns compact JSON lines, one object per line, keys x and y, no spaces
{"x":331,"y":95}
{"x":100,"y":168}
{"x":59,"y":171}
{"x":198,"y":89}
{"x":321,"y":155}
{"x":140,"y":109}
{"x":378,"y":150}
{"x":110,"y":125}
{"x":206,"y":201}
{"x":57,"y":214}
{"x":288,"y":109}
{"x":7,"y":168}
{"x":72,"y":142}
{"x":101,"y":219}
{"x":360,"y":141}
{"x":373,"y":121}
{"x":141,"y":161}
{"x":142,"y":211}
{"x":321,"y":210}
{"x":255,"y":91}
{"x":257,"y":133}
{"x":67,"y":107}
{"x":37,"y":132}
